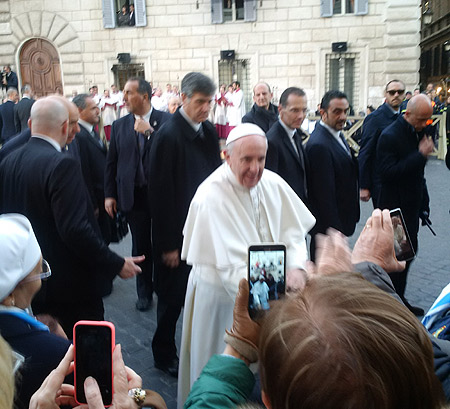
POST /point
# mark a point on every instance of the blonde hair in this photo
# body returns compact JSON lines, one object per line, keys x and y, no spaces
{"x":6,"y":376}
{"x":343,"y":343}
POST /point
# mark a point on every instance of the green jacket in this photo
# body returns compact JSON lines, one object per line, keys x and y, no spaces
{"x":225,"y":382}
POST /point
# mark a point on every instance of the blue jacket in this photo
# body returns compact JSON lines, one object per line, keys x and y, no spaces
{"x":42,"y":351}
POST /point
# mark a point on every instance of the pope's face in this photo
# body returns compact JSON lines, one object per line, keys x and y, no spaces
{"x":247,"y":159}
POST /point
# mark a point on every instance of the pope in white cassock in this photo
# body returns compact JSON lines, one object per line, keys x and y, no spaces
{"x":237,"y":205}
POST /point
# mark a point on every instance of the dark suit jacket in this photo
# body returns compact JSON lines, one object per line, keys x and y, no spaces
{"x":93,"y":164}
{"x":22,"y":113}
{"x":264,"y":118}
{"x":132,"y":21}
{"x":283,"y":159}
{"x":373,"y":125}
{"x":179,"y":161}
{"x":123,"y":158}
{"x":401,"y":168}
{"x":47,"y":186}
{"x":42,"y":352}
{"x":15,"y":143}
{"x":7,"y":127}
{"x":12,"y":81}
{"x":333,"y":183}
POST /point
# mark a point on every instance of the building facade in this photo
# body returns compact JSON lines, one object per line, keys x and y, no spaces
{"x":435,"y":46}
{"x":353,"y":45}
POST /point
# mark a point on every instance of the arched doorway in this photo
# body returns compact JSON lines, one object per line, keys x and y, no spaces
{"x":40,"y":67}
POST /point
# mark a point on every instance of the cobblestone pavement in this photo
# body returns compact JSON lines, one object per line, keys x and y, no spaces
{"x":428,"y":275}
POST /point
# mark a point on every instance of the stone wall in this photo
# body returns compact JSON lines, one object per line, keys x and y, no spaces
{"x":287,"y":45}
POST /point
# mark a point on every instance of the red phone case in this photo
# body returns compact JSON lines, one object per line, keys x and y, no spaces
{"x":108,"y":324}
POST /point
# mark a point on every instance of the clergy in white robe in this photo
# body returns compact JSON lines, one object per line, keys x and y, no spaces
{"x":237,"y":205}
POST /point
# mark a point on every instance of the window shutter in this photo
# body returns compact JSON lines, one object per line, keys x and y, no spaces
{"x":141,"y":16}
{"x":250,"y":10}
{"x":109,"y":14}
{"x":361,"y":7}
{"x":216,"y":11}
{"x":326,"y":8}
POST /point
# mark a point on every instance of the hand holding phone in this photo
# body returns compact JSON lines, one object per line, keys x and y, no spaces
{"x":94,"y":344}
{"x":266,"y":276}
{"x":375,"y":244}
{"x":403,"y":247}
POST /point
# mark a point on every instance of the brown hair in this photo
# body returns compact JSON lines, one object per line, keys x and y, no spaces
{"x":343,"y":343}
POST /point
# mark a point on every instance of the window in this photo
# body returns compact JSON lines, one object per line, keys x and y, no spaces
{"x":113,"y":16}
{"x":237,"y":70}
{"x":124,"y":71}
{"x":343,"y":75}
{"x":232,"y":10}
{"x":329,"y":8}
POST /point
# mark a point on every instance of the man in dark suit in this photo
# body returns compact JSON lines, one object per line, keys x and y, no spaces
{"x":7,"y":127}
{"x":285,"y":154}
{"x":374,"y":124}
{"x":333,"y":181}
{"x":263,"y":112}
{"x":22,"y":138}
{"x":125,"y":179}
{"x":93,"y":159}
{"x":22,"y":109}
{"x":9,"y":78}
{"x":47,"y":186}
{"x":184,"y":152}
{"x":132,"y":16}
{"x":402,"y":154}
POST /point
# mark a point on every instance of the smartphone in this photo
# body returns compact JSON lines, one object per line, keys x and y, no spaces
{"x":94,"y":343}
{"x":404,"y":250}
{"x":266,"y":277}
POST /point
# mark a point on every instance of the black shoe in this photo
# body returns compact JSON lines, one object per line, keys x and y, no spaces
{"x":143,"y":304}
{"x":170,"y":368}
{"x":417,"y":311}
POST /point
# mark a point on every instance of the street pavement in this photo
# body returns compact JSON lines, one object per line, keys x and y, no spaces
{"x":429,"y":273}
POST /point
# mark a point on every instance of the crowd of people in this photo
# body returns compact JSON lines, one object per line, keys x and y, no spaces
{"x":82,"y":165}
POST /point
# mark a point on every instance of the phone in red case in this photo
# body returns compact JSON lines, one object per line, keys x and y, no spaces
{"x":94,"y":343}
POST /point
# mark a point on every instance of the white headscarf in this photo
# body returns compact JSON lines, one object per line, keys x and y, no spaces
{"x":19,"y":251}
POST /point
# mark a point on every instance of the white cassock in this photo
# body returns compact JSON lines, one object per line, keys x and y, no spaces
{"x":108,"y":107}
{"x":224,"y":219}
{"x":237,"y":110}
{"x":159,"y":103}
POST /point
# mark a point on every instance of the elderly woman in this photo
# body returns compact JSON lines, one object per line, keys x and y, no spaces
{"x":21,"y":270}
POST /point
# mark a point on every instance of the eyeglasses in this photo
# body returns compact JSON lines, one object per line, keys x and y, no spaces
{"x":392,"y":92}
{"x":46,"y":273}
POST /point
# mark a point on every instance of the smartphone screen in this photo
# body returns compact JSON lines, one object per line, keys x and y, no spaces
{"x":404,"y":250}
{"x":94,"y":342}
{"x":266,"y":277}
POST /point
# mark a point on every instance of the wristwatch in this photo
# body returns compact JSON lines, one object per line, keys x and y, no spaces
{"x":138,"y":395}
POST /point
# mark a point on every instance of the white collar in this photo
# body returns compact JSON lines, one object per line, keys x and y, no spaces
{"x":195,"y":125}
{"x":289,"y":131}
{"x":333,"y":131}
{"x":51,"y":141}
{"x":86,"y":125}
{"x":145,"y":117}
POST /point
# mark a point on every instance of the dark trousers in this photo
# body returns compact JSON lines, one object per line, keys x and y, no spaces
{"x":140,"y":225}
{"x":399,"y":279}
{"x":170,"y":285}
{"x":73,"y":311}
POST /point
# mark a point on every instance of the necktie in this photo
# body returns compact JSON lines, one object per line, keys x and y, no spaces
{"x":96,"y":136}
{"x":347,"y":149}
{"x":200,"y":132}
{"x":298,"y":144}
